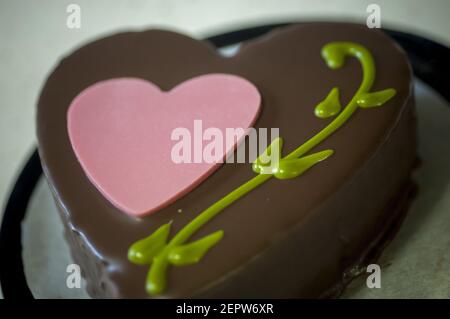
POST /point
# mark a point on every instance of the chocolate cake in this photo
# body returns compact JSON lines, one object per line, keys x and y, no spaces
{"x":142,"y":226}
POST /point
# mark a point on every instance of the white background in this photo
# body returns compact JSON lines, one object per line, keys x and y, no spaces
{"x":33,"y":36}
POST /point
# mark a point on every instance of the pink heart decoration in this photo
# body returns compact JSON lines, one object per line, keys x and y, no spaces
{"x":120,"y":130}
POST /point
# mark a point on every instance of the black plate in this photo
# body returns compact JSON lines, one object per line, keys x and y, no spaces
{"x":430,"y":62}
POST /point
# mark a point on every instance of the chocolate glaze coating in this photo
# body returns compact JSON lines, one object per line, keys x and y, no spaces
{"x":290,"y":238}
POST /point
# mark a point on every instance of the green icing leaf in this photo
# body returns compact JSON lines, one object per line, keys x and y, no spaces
{"x":156,"y":277}
{"x":375,"y":99}
{"x":330,"y":106}
{"x":290,"y":168}
{"x":264,"y":164}
{"x":193,"y":252}
{"x":143,"y":251}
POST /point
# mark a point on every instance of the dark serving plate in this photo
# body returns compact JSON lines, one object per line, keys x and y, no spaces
{"x":430,"y":62}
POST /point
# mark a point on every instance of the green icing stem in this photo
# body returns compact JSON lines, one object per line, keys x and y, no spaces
{"x":155,"y":250}
{"x":215,"y":208}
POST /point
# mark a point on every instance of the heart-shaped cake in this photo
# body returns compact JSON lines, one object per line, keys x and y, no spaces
{"x":144,"y":219}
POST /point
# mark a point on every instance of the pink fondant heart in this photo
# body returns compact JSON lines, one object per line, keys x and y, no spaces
{"x":120,"y":130}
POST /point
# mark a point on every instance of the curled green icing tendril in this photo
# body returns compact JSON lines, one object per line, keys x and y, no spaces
{"x":157,"y":251}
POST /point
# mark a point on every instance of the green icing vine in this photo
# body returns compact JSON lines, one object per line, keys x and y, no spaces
{"x":159,"y":252}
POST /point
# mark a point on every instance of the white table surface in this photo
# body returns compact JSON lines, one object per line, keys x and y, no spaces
{"x":34,"y":36}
